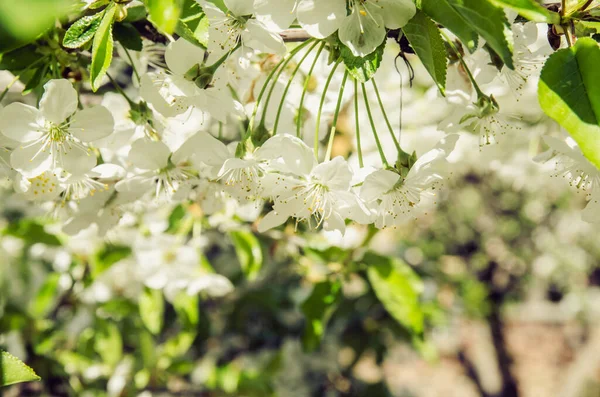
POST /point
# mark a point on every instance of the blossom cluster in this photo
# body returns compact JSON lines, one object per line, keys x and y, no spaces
{"x":194,"y":130}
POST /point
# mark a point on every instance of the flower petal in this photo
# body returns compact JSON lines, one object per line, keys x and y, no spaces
{"x":271,"y":220}
{"x":335,"y":174}
{"x":395,"y":13}
{"x":77,"y":161}
{"x":59,"y":100}
{"x":30,"y":160}
{"x":149,"y":155}
{"x":181,"y":55}
{"x":321,"y":18}
{"x":240,"y":7}
{"x":377,"y":184}
{"x":276,"y":13}
{"x":92,"y":124}
{"x":362,"y":34}
{"x":259,"y":37}
{"x":22,"y":123}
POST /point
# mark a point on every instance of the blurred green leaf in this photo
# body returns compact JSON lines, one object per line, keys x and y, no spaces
{"x":106,"y":257}
{"x":102,"y":48}
{"x":425,"y":38}
{"x":491,"y":24}
{"x":317,"y":309}
{"x":135,"y":13}
{"x":36,"y":80}
{"x":531,"y":10}
{"x":19,"y":59}
{"x":164,"y":14}
{"x":32,"y":232}
{"x":108,"y":342}
{"x":362,"y":68}
{"x":13,"y":370}
{"x":152,"y":309}
{"x":398,"y":288}
{"x":82,"y":31}
{"x":179,"y":344}
{"x":128,"y":36}
{"x":186,"y":307}
{"x":249,"y":252}
{"x":442,"y":12}
{"x":46,"y":297}
{"x":23,"y":21}
{"x":569,"y":92}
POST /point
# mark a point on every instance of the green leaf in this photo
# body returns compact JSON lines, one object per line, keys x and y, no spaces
{"x":19,"y":59}
{"x":45,"y":298}
{"x":106,"y":257}
{"x":32,"y":232}
{"x":82,"y":31}
{"x":569,"y":92}
{"x":186,"y":307}
{"x":152,"y":308}
{"x":128,"y":36}
{"x":13,"y":370}
{"x":249,"y":252}
{"x":362,"y":69}
{"x":36,"y":79}
{"x":491,"y":24}
{"x":442,"y":12}
{"x":108,"y":343}
{"x":193,"y":24}
{"x":398,"y":288}
{"x":135,"y":13}
{"x":425,"y":38}
{"x":164,"y":14}
{"x":102,"y":48}
{"x":317,"y":309}
{"x":531,"y":10}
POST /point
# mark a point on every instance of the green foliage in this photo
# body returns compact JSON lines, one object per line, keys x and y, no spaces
{"x":362,"y":69}
{"x":442,"y":12}
{"x":82,"y":31}
{"x":317,"y":309}
{"x":193,"y":24}
{"x":13,"y":370}
{"x":45,"y":298}
{"x":491,"y":24}
{"x":425,"y":38}
{"x":398,"y":288}
{"x":531,"y":10}
{"x":164,"y":14}
{"x":249,"y":252}
{"x":102,"y":48}
{"x":152,"y":308}
{"x":32,"y":232}
{"x":128,"y":36}
{"x":569,"y":92}
{"x":108,"y":342}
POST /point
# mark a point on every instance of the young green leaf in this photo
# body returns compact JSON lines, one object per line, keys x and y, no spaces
{"x":82,"y":31}
{"x":398,"y":288}
{"x":317,"y":309}
{"x":152,"y":308}
{"x":13,"y":370}
{"x":128,"y":36}
{"x":102,"y":48}
{"x":569,"y":92}
{"x":249,"y":252}
{"x":164,"y":14}
{"x":108,"y":343}
{"x":491,"y":24}
{"x":425,"y":38}
{"x":531,"y":10}
{"x":362,"y":69}
{"x":442,"y":12}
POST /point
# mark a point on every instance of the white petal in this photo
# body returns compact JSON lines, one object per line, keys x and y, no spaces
{"x":258,"y":37}
{"x":77,"y":161}
{"x":377,"y":184}
{"x":276,"y":13}
{"x":240,"y":7}
{"x":150,"y":92}
{"x":59,"y":100}
{"x":109,"y":171}
{"x":321,"y":18}
{"x":335,"y":222}
{"x":149,"y":155}
{"x":395,"y":13}
{"x":135,"y":187}
{"x":22,"y":159}
{"x":205,"y":148}
{"x":362,"y":34}
{"x":271,"y":220}
{"x":92,"y":124}
{"x":20,"y":122}
{"x":295,"y":156}
{"x":181,"y":55}
{"x":335,"y":174}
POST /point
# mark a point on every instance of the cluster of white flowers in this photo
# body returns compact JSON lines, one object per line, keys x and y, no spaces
{"x":194,"y":132}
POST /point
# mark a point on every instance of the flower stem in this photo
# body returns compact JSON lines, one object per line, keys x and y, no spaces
{"x":137,"y":75}
{"x":335,"y":118}
{"x":264,"y":88}
{"x":306,"y":82}
{"x":385,"y":117}
{"x":372,"y":122}
{"x":120,"y":90}
{"x":480,"y":93}
{"x":357,"y":121}
{"x":287,"y":87}
{"x":327,"y":83}
{"x":279,"y":72}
